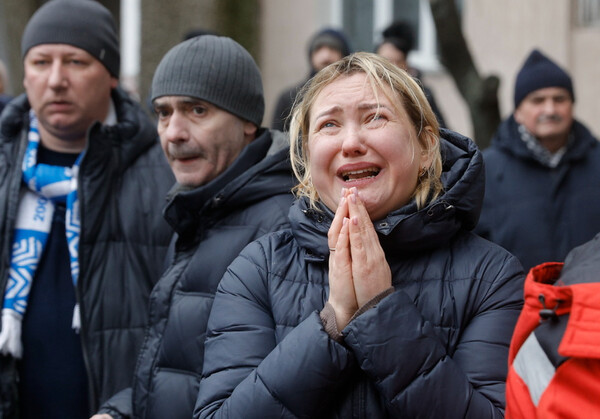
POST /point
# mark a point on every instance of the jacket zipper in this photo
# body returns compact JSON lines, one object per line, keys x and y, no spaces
{"x":79,"y":299}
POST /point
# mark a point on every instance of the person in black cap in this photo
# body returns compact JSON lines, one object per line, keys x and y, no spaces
{"x":397,"y":41}
{"x":82,"y":240}
{"x":541,"y":195}
{"x":325,"y":47}
{"x":234,"y":183}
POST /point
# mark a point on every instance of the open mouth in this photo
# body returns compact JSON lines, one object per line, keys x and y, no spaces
{"x":360,"y":174}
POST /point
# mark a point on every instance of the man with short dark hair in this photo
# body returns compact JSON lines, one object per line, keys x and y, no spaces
{"x":82,"y":239}
{"x":542,"y":170}
{"x":234,"y":184}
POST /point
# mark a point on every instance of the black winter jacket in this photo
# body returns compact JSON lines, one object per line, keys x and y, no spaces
{"x":537,"y":213}
{"x":214,"y":223}
{"x":123,"y":240}
{"x":437,"y":347}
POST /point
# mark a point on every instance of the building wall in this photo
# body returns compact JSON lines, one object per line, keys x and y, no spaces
{"x":500,"y":35}
{"x":286,"y":28}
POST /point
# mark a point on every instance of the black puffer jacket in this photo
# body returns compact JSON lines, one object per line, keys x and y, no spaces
{"x":214,"y":223}
{"x":535,"y":212}
{"x":123,"y":241}
{"x":437,"y":347}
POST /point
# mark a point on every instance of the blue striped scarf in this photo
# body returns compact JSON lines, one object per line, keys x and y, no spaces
{"x":46,"y":186}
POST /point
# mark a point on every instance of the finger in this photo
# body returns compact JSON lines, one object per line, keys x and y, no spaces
{"x":362,"y":232}
{"x":341,"y":288}
{"x":371,"y":274}
{"x":336,"y":225}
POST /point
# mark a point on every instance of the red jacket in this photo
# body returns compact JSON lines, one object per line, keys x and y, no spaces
{"x":554,"y":358}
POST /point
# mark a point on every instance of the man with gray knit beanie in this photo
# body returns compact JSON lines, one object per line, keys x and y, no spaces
{"x":234,"y":185}
{"x":542,"y":170}
{"x":83,"y":240}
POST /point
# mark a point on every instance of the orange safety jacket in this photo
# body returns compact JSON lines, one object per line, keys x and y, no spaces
{"x":554,"y":357}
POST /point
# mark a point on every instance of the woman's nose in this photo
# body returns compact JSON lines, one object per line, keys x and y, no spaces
{"x":353,"y":142}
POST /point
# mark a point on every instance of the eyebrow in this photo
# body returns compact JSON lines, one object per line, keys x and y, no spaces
{"x":361,"y":106}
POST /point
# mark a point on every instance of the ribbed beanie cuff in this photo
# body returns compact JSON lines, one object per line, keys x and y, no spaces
{"x":84,"y":24}
{"x":215,"y":69}
{"x":539,"y":72}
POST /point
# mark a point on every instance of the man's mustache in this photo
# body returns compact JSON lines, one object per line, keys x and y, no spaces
{"x":549,"y":118}
{"x":184,"y":151}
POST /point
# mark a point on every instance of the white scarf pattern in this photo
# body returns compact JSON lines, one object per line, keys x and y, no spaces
{"x":46,"y":185}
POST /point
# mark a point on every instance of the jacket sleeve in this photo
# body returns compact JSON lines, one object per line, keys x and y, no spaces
{"x":119,"y":406}
{"x":246,"y":374}
{"x":418,"y":375}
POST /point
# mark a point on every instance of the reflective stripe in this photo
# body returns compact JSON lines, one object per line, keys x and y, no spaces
{"x":534,"y":368}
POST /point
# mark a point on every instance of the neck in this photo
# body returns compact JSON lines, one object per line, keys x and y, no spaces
{"x":554,"y":143}
{"x":62,"y":143}
{"x":72,"y":139}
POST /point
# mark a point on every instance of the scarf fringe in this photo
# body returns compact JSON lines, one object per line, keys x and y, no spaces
{"x":10,"y":336}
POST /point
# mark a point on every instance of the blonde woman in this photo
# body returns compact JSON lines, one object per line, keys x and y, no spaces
{"x":378,"y":302}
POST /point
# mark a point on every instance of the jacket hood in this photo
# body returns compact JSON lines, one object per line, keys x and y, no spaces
{"x":508,"y":140}
{"x":133,"y":125}
{"x":407,"y":228}
{"x":582,"y":264}
{"x":262,"y":170}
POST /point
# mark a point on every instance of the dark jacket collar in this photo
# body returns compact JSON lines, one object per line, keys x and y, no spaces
{"x":260,"y":171}
{"x":508,"y":139}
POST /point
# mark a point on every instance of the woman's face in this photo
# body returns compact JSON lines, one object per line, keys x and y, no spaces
{"x":356,"y":140}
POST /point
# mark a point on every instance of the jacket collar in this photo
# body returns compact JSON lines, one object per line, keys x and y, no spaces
{"x":508,"y":139}
{"x":250,"y":178}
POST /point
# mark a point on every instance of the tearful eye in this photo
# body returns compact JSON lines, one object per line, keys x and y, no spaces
{"x":377,"y":118}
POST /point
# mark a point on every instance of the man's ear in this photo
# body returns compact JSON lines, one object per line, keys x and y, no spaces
{"x":517,"y":115}
{"x":114,"y":82}
{"x":250,"y":129}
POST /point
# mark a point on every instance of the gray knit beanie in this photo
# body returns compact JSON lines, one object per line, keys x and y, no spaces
{"x":215,"y":69}
{"x":84,"y":24}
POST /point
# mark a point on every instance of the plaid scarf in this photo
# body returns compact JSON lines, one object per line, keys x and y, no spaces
{"x":541,"y":153}
{"x":46,"y":186}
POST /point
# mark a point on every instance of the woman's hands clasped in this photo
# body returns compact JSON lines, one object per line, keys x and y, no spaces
{"x":358,"y":270}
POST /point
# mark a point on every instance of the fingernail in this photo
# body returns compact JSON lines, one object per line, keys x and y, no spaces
{"x":355,"y":220}
{"x":345,"y":221}
{"x":342,"y":200}
{"x":354,"y":190}
{"x":353,"y":198}
{"x":343,"y":192}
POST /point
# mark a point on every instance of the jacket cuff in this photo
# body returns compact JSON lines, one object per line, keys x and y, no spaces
{"x":327,"y":316}
{"x":372,"y":303}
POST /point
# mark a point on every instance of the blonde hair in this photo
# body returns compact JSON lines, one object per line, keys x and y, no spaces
{"x":382,"y":76}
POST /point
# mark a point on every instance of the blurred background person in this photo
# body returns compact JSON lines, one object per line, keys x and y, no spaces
{"x":398,"y":41}
{"x":541,"y":170}
{"x":325,"y":47}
